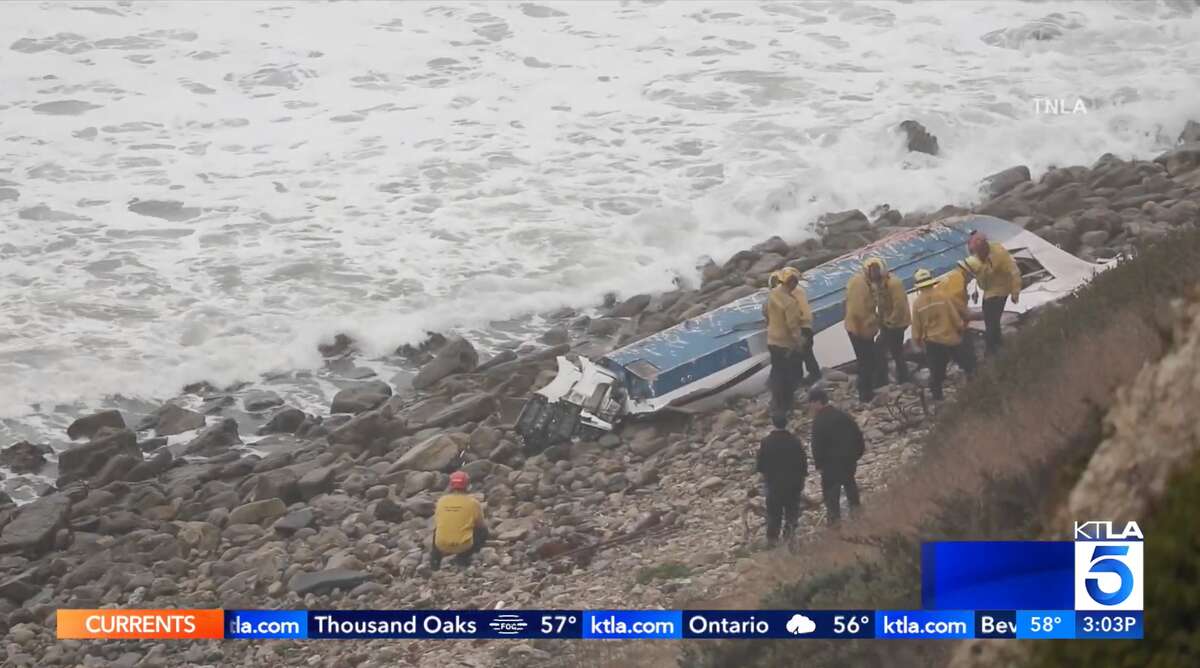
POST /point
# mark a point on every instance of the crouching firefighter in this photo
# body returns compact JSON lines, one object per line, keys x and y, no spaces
{"x":458,"y":526}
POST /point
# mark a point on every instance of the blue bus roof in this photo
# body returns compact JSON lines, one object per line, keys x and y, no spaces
{"x":715,"y":339}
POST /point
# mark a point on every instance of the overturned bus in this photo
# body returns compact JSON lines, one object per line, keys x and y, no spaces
{"x":699,"y":363}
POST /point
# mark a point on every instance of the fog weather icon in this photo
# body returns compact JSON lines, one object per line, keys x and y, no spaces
{"x":799,"y":625}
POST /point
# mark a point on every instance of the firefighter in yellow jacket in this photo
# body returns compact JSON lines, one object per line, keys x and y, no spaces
{"x":894,"y":319}
{"x":999,"y":278}
{"x":808,"y":358}
{"x":787,"y":322}
{"x":938,"y":328}
{"x":458,"y":525}
{"x":953,"y":283}
{"x":863,"y":297}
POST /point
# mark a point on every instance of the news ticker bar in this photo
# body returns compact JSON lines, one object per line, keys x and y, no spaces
{"x":598,"y":624}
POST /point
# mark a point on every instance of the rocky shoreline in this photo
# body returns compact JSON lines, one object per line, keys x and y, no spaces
{"x":177,"y":510}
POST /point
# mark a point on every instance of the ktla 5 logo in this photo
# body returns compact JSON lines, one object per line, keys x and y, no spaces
{"x":1108,"y":566}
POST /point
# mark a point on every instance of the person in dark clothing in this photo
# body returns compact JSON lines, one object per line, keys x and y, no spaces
{"x":784,"y":466}
{"x":808,"y":360}
{"x":837,"y":445}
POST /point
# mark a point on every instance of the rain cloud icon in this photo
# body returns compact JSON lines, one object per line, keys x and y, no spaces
{"x":799,"y":625}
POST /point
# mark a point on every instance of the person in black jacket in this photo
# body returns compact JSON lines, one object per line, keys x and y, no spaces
{"x":784,"y":466}
{"x":837,"y":445}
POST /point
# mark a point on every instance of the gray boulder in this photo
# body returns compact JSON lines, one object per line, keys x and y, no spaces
{"x":842,"y":222}
{"x":315,"y":482}
{"x":1190,"y":134}
{"x":257,"y":512}
{"x":472,"y":408}
{"x":261,"y":400}
{"x":1181,"y":159}
{"x":323,"y":582}
{"x":151,"y":468}
{"x":360,"y":398}
{"x":24,"y":457}
{"x":435,"y":453}
{"x":918,"y":138}
{"x":457,"y":356}
{"x":631,"y":307}
{"x":84,"y":461}
{"x":87,"y":426}
{"x":286,"y":421}
{"x":1001,"y":182}
{"x":170,"y":419}
{"x":278,"y":483}
{"x":214,"y":439}
{"x":32,"y":531}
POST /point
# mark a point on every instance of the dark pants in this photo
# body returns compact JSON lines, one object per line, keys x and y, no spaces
{"x":833,"y":481}
{"x":939,"y":357}
{"x":891,"y":342}
{"x":478,"y":538}
{"x":783,"y":510}
{"x":785,"y":376}
{"x":808,"y":359}
{"x":993,"y":309}
{"x":867,"y":357}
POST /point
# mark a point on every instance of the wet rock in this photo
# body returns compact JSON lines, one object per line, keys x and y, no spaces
{"x":340,"y":345}
{"x":918,"y":138}
{"x":484,"y":440}
{"x":24,"y":457}
{"x":21,"y":587}
{"x":315,"y":482}
{"x":278,"y":483}
{"x":84,"y":461}
{"x":116,"y":468}
{"x":435,"y":453}
{"x":370,"y":427}
{"x":457,"y":356}
{"x":1181,"y":159}
{"x":360,"y":398}
{"x":1099,"y":219}
{"x":842,"y":222}
{"x":1095,"y":238}
{"x":1190,"y":134}
{"x":1007,"y":206}
{"x":64,"y":107}
{"x":773,"y":245}
{"x":631,"y":307}
{"x":294,"y":521}
{"x":473,"y":408}
{"x":389,"y":511}
{"x":1064,"y":200}
{"x":261,"y":400}
{"x":768,"y":262}
{"x":286,"y":421}
{"x":170,"y":420}
{"x":257,"y":512}
{"x":1001,"y":182}
{"x":32,"y":530}
{"x":554,"y":336}
{"x":323,"y":582}
{"x":214,"y":439}
{"x":1116,"y":175}
{"x":151,"y":468}
{"x":500,"y":358}
{"x":86,"y":427}
{"x":604,"y":326}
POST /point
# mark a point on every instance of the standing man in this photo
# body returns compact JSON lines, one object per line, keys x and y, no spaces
{"x":938,"y":328}
{"x":837,"y":445}
{"x":784,"y":467}
{"x":785,"y":340}
{"x":999,"y":279}
{"x":863,"y":292}
{"x":894,"y":318}
{"x":459,"y":528}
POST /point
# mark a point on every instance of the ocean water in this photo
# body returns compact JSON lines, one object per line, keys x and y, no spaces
{"x":205,"y":190}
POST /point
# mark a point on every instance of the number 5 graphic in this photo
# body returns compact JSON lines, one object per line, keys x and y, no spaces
{"x":1103,"y":561}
